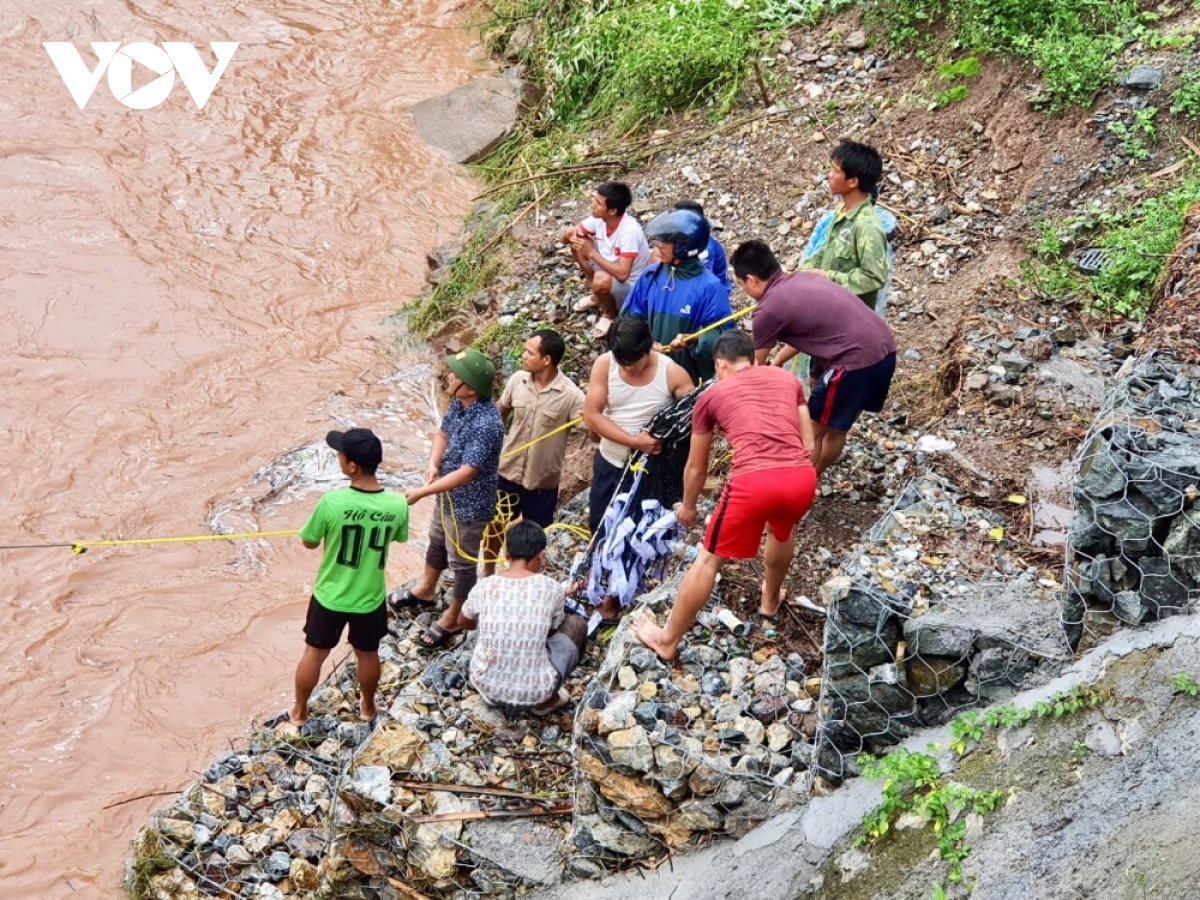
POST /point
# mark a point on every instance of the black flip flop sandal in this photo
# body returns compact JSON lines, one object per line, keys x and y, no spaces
{"x":436,"y":637}
{"x":406,"y":599}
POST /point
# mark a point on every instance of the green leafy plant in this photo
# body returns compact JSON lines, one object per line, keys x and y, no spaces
{"x":1079,"y":752}
{"x":1185,"y":100}
{"x":952,"y":72}
{"x":1137,"y":240}
{"x":1074,"y":44}
{"x":1183,"y":684}
{"x":1138,"y":133}
{"x":971,"y":725}
{"x":913,"y":782}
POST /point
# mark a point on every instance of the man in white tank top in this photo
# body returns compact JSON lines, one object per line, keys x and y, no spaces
{"x":628,"y":385}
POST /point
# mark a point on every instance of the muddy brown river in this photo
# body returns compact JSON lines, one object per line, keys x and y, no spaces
{"x":186,"y":295}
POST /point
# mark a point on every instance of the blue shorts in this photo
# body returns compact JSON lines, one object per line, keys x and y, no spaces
{"x":840,"y":395}
{"x":532,"y":506}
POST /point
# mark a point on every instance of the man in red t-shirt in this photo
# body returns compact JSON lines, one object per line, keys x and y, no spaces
{"x":762,"y":411}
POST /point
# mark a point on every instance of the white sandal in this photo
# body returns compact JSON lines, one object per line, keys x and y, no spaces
{"x":601,"y":327}
{"x":584,"y":305}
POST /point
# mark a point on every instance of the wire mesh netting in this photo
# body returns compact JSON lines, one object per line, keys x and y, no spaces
{"x":1134,"y":544}
{"x":929,"y":618}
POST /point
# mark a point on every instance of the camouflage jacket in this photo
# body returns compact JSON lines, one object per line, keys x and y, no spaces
{"x":855,"y":255}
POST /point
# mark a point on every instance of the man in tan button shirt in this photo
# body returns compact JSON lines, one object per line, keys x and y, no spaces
{"x":541,"y":399}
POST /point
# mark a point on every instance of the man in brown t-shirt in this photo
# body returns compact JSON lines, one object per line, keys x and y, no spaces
{"x":806,"y":311}
{"x":541,"y":400}
{"x":762,"y":411}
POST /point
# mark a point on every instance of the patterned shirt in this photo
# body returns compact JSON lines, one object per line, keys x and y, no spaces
{"x":474,"y":435}
{"x":510,"y":664}
{"x":855,"y":255}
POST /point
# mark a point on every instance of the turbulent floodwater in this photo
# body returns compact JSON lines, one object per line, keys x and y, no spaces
{"x":186,"y":296}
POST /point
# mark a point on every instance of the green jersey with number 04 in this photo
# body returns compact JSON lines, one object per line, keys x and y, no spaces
{"x":356,"y":528}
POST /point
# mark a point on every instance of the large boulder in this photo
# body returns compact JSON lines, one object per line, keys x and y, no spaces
{"x":471,"y":121}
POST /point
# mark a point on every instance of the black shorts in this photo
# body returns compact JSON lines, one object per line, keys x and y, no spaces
{"x":840,"y":395}
{"x":323,"y":627}
{"x":605,"y":478}
{"x":533,"y":506}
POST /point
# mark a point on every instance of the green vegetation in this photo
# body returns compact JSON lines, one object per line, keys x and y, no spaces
{"x":619,"y":63}
{"x":952,"y":72}
{"x":149,"y":859}
{"x":1137,"y":134}
{"x":1183,"y":684}
{"x":971,"y":725}
{"x":1074,"y":44}
{"x":1079,"y":752}
{"x":606,"y":67}
{"x":1185,"y":101}
{"x":1137,"y":241}
{"x":913,"y":783}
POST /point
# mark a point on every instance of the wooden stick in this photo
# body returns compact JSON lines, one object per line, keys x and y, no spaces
{"x":476,"y":814}
{"x":507,"y":228}
{"x":405,"y":889}
{"x":469,"y":789}
{"x":565,"y":170}
{"x":140,"y":797}
{"x":762,"y":85}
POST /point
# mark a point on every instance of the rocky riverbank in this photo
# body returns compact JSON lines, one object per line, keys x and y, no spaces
{"x":951,"y":599}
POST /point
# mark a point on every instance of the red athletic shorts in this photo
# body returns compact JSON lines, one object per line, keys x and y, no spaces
{"x":775,"y":497}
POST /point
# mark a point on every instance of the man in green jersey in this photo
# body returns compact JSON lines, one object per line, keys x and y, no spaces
{"x":356,"y":525}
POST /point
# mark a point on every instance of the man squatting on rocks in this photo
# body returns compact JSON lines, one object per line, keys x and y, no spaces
{"x":540,"y":399}
{"x":677,"y":295}
{"x":527,"y":645}
{"x":761,"y":410}
{"x":806,"y":311}
{"x":356,"y":526}
{"x":462,"y":473}
{"x":628,"y":385}
{"x":611,"y":250}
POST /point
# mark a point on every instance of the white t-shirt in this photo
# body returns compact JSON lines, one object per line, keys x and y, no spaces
{"x":627,"y":240}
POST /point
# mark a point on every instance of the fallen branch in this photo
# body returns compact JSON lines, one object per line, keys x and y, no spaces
{"x":509,"y":227}
{"x":476,"y":814}
{"x":469,"y":789}
{"x":140,"y":797}
{"x":553,"y":173}
{"x":406,"y":890}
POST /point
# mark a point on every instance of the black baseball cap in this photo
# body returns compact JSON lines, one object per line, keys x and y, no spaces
{"x":360,"y":445}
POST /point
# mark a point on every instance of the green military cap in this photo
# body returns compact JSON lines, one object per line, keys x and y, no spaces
{"x":475,"y":370}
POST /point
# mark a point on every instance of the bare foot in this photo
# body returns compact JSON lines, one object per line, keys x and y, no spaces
{"x":610,"y":608}
{"x":762,"y":605}
{"x":654,"y":637}
{"x":367,"y":711}
{"x":298,"y":715}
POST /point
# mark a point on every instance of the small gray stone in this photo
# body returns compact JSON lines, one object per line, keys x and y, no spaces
{"x":631,"y":748}
{"x":277,"y":866}
{"x":1143,"y":78}
{"x":856,"y":40}
{"x":238,"y":855}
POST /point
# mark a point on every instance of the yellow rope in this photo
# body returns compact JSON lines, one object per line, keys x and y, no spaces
{"x":81,"y":546}
{"x":529,"y":444}
{"x":574,"y":529}
{"x":688,"y":338}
